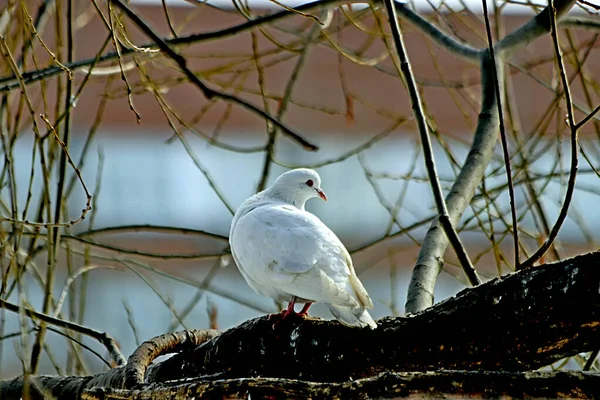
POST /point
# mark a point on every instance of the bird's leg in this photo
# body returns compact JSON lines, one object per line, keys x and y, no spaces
{"x":290,"y":309}
{"x":305,"y":309}
{"x":285,"y":313}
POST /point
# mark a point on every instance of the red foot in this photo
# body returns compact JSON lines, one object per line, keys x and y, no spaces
{"x":305,"y":309}
{"x":290,"y":312}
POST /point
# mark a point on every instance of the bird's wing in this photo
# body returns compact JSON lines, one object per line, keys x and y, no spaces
{"x":282,"y":237}
{"x":355,"y":283}
{"x":280,"y":245}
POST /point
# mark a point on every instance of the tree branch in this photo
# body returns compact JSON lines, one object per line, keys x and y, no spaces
{"x":430,"y":260}
{"x":102,"y":337}
{"x":518,"y":322}
{"x":387,"y":385}
{"x":417,"y":106}
{"x":206,"y":91}
{"x":462,"y":50}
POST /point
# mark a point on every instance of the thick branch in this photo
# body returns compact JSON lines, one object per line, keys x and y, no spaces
{"x":518,"y":322}
{"x":439,"y":384}
{"x":538,"y":26}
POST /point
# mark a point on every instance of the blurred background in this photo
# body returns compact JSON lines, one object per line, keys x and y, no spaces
{"x":153,"y":249}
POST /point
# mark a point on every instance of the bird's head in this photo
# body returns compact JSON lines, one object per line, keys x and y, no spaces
{"x":297,"y":186}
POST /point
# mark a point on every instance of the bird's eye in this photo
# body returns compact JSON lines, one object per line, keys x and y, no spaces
{"x":310,"y":183}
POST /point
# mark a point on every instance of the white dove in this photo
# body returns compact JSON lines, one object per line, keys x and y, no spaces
{"x":289,"y":254}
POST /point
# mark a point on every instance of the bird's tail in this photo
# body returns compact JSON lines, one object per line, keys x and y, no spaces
{"x":353,"y":316}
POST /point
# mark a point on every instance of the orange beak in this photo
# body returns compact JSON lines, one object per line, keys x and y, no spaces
{"x":321,"y":194}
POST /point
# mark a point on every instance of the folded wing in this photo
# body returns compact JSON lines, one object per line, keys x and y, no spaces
{"x":292,"y":249}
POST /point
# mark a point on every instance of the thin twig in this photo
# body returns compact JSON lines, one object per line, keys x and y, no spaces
{"x":191,"y":256}
{"x":208,"y":92}
{"x":589,"y":4}
{"x":587,"y":118}
{"x":392,"y":210}
{"x":102,"y":337}
{"x":350,"y":153}
{"x":122,"y":69}
{"x":79,"y":342}
{"x":511,"y":189}
{"x":70,"y":280}
{"x":131,"y":322}
{"x":271,"y":130}
{"x":168,"y":17}
{"x":590,"y":361}
{"x":574,"y":147}
{"x":88,"y":203}
{"x":199,"y":295}
{"x":415,"y":98}
{"x":150,"y":228}
{"x":164,"y":297}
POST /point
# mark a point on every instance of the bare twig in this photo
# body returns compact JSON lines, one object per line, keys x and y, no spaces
{"x":80,"y":343}
{"x":70,"y":280}
{"x":283,"y":105}
{"x":574,"y":148}
{"x":511,"y":189}
{"x":113,"y":28}
{"x":589,"y":4}
{"x":587,"y":118}
{"x":102,"y":337}
{"x":150,"y":228}
{"x":208,"y":92}
{"x":428,"y":266}
{"x":191,"y":256}
{"x":443,"y":216}
{"x":168,"y":17}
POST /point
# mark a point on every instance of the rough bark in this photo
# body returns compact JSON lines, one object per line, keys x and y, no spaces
{"x":387,"y":385}
{"x":518,"y":322}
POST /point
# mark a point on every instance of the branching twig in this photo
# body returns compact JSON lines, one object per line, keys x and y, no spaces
{"x":208,"y":92}
{"x":574,"y":147}
{"x":283,"y":105}
{"x":428,"y":266}
{"x":102,"y":337}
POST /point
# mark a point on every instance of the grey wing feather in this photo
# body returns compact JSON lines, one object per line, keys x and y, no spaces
{"x":353,"y":316}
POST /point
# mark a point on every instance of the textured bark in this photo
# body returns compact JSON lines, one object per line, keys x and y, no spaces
{"x":519,"y":322}
{"x":128,"y":376}
{"x":415,"y":385}
{"x":43,"y":387}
